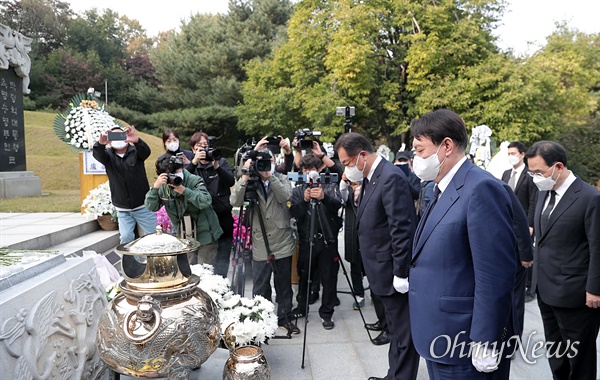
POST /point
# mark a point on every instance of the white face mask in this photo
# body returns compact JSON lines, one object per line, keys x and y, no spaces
{"x":173,"y":146}
{"x":180,"y":174}
{"x":514,"y":160}
{"x":118,"y":144}
{"x":545,"y":183}
{"x":272,"y":168}
{"x":427,"y":169}
{"x":352,"y":172}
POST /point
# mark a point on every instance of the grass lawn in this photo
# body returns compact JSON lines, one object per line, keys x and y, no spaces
{"x":51,"y":201}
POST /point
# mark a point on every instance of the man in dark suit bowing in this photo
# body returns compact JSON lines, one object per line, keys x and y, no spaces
{"x":464,"y":262}
{"x":566,"y":269}
{"x":386,"y":224}
{"x":526,"y":191}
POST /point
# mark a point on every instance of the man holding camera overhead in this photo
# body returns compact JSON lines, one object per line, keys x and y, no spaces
{"x":123,"y":154}
{"x":184,"y":193}
{"x":326,"y":199}
{"x":218,"y":177}
{"x":259,"y":182}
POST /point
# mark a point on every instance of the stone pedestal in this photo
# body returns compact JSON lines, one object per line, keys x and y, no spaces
{"x":19,"y":184}
{"x":49,"y":322}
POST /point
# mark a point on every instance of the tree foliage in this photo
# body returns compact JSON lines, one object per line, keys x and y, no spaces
{"x":46,"y":21}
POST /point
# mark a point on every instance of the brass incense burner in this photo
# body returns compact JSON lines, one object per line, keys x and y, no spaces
{"x":162,"y":324}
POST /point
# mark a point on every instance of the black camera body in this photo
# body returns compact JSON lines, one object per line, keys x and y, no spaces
{"x":304,"y":138}
{"x":173,"y":179}
{"x":175,"y":163}
{"x":261,"y":161}
{"x":212,"y":153}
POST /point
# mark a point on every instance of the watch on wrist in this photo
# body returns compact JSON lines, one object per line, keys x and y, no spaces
{"x":322,"y":156}
{"x":245,"y":171}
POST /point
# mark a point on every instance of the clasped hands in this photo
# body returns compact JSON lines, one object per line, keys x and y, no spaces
{"x":314,"y":192}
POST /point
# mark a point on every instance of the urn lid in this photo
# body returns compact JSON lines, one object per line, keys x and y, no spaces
{"x":159,"y":244}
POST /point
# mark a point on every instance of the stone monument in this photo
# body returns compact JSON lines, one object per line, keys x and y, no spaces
{"x":15,"y":180}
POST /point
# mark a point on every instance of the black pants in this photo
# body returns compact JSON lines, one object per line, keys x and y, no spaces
{"x":356,"y":274}
{"x":223,"y":256}
{"x":402,"y":355}
{"x":261,"y":284}
{"x":519,"y":290}
{"x":325,"y":261}
{"x":562,"y":324}
{"x":379,"y":310}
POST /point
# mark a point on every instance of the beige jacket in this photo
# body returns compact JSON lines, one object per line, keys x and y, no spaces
{"x":276,"y":216}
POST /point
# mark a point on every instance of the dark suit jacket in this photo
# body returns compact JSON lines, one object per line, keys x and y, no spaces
{"x":386,"y":224}
{"x":464,"y":265}
{"x":521,"y":228}
{"x":526,"y":191}
{"x":567,"y":254}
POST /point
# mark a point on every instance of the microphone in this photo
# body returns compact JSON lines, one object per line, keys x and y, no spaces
{"x":313,"y":177}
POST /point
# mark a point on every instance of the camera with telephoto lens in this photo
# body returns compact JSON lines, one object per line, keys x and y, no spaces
{"x":175,"y":163}
{"x":304,"y":140}
{"x":212,"y":153}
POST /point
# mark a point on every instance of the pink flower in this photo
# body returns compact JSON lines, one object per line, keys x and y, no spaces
{"x":163,"y":220}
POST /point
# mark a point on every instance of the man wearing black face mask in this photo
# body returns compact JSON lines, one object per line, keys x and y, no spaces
{"x":403,"y":161}
{"x":386,"y":224}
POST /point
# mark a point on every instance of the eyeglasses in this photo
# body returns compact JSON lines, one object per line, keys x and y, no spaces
{"x":540,"y":175}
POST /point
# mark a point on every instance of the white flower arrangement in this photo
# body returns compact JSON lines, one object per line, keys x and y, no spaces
{"x":99,"y":202}
{"x":82,"y":123}
{"x":254,"y":319}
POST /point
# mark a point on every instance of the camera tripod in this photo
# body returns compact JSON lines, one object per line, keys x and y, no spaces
{"x":242,"y":253}
{"x":317,"y":211}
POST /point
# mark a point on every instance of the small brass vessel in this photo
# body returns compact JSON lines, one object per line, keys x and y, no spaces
{"x":161,"y":324}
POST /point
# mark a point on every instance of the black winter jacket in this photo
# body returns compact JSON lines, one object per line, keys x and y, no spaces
{"x":127,"y":175}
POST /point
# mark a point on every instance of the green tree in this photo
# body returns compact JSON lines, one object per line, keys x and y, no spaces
{"x":201,"y":68}
{"x":46,"y":21}
{"x":379,"y":56}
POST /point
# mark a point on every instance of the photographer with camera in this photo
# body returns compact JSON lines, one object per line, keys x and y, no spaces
{"x":123,"y":154}
{"x":275,"y":144}
{"x":301,"y":142}
{"x":184,"y":193}
{"x":209,"y":164}
{"x":325,"y":200}
{"x":272,"y":241}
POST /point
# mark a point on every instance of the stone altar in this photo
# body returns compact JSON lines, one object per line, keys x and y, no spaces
{"x":48,"y":323}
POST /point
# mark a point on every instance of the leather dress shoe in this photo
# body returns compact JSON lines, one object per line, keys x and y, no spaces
{"x":383,"y":338}
{"x":374,"y":326}
{"x":377,"y":378}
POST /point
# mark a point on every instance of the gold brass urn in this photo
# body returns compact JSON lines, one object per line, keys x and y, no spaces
{"x":161,"y":324}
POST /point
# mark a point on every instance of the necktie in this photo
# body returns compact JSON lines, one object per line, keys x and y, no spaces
{"x":362,"y":190}
{"x":512,"y":180}
{"x":431,"y":205}
{"x":547,"y":211}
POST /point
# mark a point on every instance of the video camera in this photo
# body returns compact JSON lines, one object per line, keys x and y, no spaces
{"x":261,"y":161}
{"x":303,"y":136}
{"x":212,"y":153}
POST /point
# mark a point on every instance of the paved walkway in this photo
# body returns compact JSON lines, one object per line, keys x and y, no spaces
{"x":342,"y":353}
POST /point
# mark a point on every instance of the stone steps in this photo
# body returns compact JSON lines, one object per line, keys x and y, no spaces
{"x":69,"y":233}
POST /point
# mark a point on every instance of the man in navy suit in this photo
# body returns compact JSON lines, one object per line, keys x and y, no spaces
{"x":464,"y":262}
{"x":566,"y":269}
{"x":386,"y":224}
{"x":525,"y":190}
